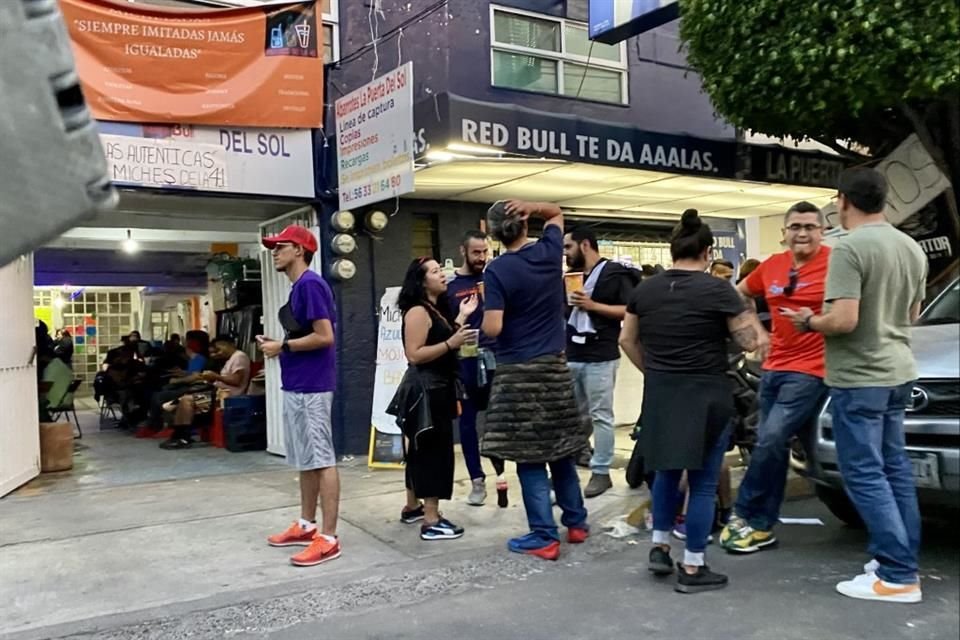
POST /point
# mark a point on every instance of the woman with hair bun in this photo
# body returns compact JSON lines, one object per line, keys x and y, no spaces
{"x":675,"y":332}
{"x":426,"y":401}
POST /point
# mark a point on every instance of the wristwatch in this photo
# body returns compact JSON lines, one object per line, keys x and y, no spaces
{"x":806,"y":324}
{"x":286,"y":346}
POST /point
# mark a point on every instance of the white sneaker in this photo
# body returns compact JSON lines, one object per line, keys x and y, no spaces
{"x":871,"y":567}
{"x":868,"y":586}
{"x":478,"y":494}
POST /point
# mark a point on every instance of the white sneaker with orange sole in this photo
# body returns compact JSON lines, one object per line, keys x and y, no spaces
{"x":868,"y":586}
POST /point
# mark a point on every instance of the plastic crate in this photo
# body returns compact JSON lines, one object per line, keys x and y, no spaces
{"x":245,"y":423}
{"x":246,"y":437}
{"x":243,"y":410}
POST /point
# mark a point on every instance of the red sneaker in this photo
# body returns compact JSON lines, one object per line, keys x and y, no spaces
{"x":294,"y":536}
{"x":549,"y":552}
{"x":576,"y":535}
{"x":320,"y":550}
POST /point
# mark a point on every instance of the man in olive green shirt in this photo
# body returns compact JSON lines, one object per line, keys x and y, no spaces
{"x":875,"y":285}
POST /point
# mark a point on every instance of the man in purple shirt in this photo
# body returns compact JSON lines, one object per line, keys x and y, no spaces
{"x":307,"y":371}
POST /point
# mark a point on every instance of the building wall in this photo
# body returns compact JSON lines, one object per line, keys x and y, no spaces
{"x":382,"y":263}
{"x":663,"y":95}
{"x":771,"y":235}
{"x":424,"y":43}
{"x":450,"y":51}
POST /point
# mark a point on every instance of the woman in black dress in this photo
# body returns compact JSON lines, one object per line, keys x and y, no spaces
{"x":675,"y":332}
{"x":430,"y":340}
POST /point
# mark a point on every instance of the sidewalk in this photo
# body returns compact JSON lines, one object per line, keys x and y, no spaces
{"x":71,"y":554}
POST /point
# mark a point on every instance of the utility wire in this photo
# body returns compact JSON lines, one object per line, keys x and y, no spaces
{"x":359,"y":53}
{"x":586,"y":67}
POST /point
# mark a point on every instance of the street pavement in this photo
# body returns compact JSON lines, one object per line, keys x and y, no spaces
{"x":785,"y":594}
{"x":110,"y":553}
{"x":597,"y":590}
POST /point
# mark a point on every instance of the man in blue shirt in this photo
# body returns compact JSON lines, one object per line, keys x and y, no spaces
{"x":533,"y":418}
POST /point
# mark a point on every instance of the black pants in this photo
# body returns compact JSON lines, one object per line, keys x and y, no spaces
{"x":157,"y":401}
{"x":429,"y":460}
{"x":133,"y":403}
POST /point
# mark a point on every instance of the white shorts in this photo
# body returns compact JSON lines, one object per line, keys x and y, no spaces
{"x":308,"y":430}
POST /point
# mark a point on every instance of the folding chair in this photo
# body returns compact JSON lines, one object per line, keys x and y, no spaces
{"x":109,"y":407}
{"x":66,"y":408}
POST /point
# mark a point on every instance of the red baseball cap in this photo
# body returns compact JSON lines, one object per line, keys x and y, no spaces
{"x":294,"y":234}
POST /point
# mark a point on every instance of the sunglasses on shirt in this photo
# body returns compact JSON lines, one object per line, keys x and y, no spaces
{"x":792,"y":278}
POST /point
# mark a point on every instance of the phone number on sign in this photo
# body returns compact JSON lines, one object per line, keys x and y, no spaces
{"x":373,"y":188}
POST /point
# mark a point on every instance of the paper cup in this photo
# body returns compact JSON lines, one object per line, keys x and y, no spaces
{"x":572,"y":282}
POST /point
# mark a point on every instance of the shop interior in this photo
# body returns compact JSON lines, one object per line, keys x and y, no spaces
{"x":160,"y":266}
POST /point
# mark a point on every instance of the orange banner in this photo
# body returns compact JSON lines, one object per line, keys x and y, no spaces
{"x":258,"y":67}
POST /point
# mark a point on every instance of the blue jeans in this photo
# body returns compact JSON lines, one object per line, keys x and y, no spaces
{"x":593,"y":383}
{"x":536,"y":497}
{"x":667,"y":498}
{"x":788,"y":403}
{"x":871,"y":450}
{"x":467,"y":423}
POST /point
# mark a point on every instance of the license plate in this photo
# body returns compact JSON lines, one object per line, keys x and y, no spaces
{"x":926,"y":470}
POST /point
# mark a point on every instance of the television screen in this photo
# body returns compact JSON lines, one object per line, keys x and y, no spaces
{"x":612,"y":21}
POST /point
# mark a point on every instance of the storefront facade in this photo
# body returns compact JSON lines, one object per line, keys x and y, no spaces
{"x":513,"y":101}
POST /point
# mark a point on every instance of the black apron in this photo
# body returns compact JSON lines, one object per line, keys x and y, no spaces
{"x":683,"y":415}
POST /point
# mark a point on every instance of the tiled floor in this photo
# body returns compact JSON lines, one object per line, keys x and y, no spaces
{"x":115,"y":458}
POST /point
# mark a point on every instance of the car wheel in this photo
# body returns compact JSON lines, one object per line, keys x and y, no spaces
{"x":839,"y":504}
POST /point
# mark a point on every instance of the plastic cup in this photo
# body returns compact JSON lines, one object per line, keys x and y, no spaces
{"x":572,"y":282}
{"x":470,"y":347}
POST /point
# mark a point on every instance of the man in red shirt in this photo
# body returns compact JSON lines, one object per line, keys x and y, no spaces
{"x":792,"y":388}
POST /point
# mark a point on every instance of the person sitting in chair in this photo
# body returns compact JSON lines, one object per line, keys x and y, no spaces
{"x":232,"y":381}
{"x":179,"y":382}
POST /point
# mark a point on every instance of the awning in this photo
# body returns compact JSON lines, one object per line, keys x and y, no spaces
{"x":478,"y":151}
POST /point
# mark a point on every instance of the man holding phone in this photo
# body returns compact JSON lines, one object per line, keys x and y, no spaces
{"x":792,"y":388}
{"x":308,"y":373}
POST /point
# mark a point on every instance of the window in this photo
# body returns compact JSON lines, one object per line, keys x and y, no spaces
{"x":425,"y":241}
{"x":540,"y":53}
{"x":97,"y":320}
{"x":331,"y":31}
